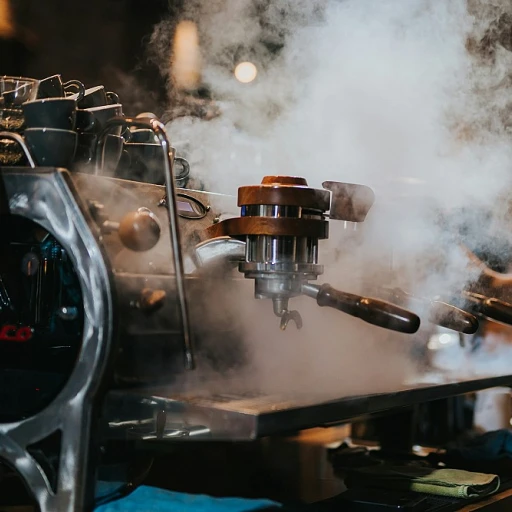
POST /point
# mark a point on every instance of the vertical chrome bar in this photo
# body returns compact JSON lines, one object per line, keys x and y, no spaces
{"x":174,"y":233}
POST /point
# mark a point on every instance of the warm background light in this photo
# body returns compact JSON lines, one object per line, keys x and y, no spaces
{"x":6,"y":22}
{"x":245,"y":72}
{"x":186,"y":56}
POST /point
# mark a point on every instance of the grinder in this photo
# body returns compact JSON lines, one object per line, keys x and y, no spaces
{"x":282,"y":221}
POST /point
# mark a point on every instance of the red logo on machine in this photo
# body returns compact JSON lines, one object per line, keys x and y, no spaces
{"x":15,"y":333}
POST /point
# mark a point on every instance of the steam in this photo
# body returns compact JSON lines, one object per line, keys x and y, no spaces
{"x":404,"y":97}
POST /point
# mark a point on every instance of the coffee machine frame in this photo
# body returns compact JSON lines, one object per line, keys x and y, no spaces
{"x":73,"y":414}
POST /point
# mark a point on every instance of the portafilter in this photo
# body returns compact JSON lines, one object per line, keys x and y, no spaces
{"x":281,"y":222}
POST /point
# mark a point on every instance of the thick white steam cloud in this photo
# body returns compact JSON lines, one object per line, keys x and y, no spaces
{"x":379,"y":92}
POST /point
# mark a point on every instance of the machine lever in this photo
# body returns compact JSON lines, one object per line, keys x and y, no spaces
{"x":349,"y":202}
{"x":374,"y":311}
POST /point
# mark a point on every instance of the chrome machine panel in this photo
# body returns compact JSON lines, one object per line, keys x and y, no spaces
{"x":48,"y":197}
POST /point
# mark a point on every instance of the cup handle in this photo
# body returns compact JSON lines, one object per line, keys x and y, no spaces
{"x":79,"y":85}
{"x":186,"y":168}
{"x":19,"y":139}
{"x":126,"y":134}
{"x":112,"y":97}
{"x":91,"y":120}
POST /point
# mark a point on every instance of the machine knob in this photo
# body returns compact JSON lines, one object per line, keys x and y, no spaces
{"x":140,"y":230}
{"x":151,"y":300}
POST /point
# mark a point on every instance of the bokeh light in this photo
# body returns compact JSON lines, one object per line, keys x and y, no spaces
{"x":245,"y":72}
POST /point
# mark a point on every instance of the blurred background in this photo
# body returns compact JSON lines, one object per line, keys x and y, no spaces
{"x":99,"y":42}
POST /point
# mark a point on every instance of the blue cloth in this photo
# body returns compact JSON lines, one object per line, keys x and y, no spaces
{"x":107,"y":491}
{"x":152,"y":499}
{"x":490,"y":446}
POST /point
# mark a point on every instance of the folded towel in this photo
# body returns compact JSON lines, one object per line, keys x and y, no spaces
{"x":152,"y":499}
{"x":443,"y":482}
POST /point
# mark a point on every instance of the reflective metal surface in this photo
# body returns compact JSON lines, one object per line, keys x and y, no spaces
{"x":217,"y":252}
{"x":279,"y":264}
{"x":282,"y":221}
{"x":21,"y":142}
{"x":46,"y":197}
{"x":172,"y":207}
{"x":232,"y":416}
{"x":138,"y":293}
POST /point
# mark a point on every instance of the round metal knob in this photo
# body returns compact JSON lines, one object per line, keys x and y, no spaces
{"x":140,"y":230}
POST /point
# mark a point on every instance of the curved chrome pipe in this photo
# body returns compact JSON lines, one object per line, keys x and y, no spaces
{"x":19,"y":139}
{"x":174,"y":233}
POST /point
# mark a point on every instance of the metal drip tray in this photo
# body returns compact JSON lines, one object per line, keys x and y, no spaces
{"x":234,"y":416}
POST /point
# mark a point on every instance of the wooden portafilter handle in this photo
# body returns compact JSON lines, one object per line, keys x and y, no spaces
{"x":441,"y":313}
{"x":498,"y":310}
{"x":451,"y":317}
{"x":491,"y":308}
{"x":374,"y":311}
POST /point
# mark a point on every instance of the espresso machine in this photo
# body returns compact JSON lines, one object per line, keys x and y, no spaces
{"x":111,"y":289}
{"x":103,"y":286}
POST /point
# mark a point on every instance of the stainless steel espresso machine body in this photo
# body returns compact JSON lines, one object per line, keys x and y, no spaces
{"x":111,"y":289}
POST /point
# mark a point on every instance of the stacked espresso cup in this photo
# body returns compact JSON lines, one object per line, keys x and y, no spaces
{"x":59,"y":123}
